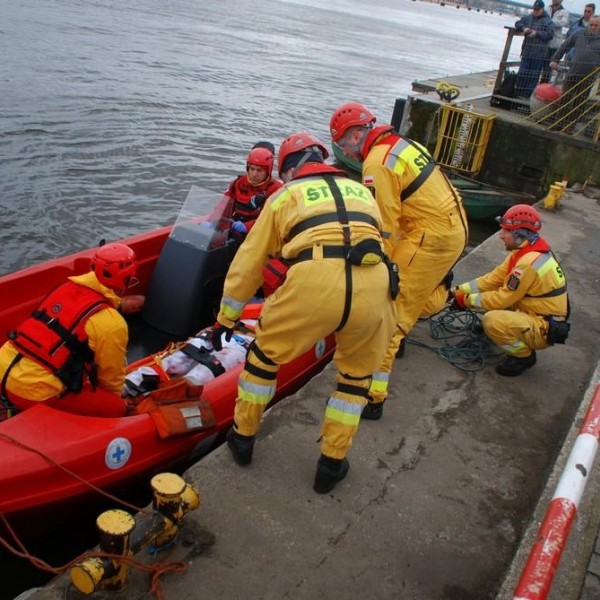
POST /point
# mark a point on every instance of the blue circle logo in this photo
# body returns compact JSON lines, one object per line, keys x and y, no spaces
{"x":117,"y":453}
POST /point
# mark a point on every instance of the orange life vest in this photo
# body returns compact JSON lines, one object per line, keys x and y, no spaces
{"x":54,"y":335}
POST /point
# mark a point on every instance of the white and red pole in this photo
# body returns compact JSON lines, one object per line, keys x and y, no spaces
{"x":538,"y":573}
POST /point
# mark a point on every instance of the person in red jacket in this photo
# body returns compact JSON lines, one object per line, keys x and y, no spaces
{"x":76,"y":340}
{"x":248,"y":192}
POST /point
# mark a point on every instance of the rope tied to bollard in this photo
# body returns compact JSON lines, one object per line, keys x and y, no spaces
{"x":155,"y":570}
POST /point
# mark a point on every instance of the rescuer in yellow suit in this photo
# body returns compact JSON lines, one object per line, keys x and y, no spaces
{"x":74,"y":342}
{"x":327,"y":227}
{"x":424,"y":224}
{"x":525,"y":298}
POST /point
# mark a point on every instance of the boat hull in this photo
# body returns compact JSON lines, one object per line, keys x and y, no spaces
{"x":52,"y":462}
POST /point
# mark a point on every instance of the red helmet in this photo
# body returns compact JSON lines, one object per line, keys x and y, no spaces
{"x":114,"y":265}
{"x":520,"y":216}
{"x":261,"y":157}
{"x":349,"y":115}
{"x":297,"y":142}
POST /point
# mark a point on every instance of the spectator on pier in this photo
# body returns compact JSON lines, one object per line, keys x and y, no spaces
{"x":74,"y":341}
{"x":525,"y":298}
{"x":584,"y":69}
{"x":581,"y":23}
{"x":560,"y":18}
{"x":538,"y":29}
{"x":424,"y":223}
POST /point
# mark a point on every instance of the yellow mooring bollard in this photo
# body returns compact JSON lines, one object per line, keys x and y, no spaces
{"x":121,"y":534}
{"x":554,"y":196}
{"x":114,"y":527}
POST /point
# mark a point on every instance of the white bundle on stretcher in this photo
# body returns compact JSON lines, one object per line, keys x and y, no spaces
{"x":181,"y":364}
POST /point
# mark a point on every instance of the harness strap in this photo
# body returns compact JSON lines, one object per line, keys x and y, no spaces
{"x":260,"y":354}
{"x":353,"y":390}
{"x":330,"y":218}
{"x":557,"y":292}
{"x":417,"y":182}
{"x":343,"y":219}
{"x":70,"y":340}
{"x":9,"y":407}
{"x":204,"y":357}
{"x":328,"y":252}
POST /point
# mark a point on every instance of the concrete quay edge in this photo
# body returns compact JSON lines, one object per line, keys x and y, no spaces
{"x":444,"y":494}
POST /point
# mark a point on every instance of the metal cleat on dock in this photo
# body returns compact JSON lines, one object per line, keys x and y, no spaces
{"x":122,"y":535}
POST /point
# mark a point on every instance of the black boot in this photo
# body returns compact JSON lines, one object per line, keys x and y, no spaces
{"x":512,"y":366}
{"x":241,"y":447}
{"x":372,"y":411}
{"x":329,"y":472}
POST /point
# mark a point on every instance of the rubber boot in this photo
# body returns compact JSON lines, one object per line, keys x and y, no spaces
{"x":330,"y":471}
{"x":241,"y":447}
{"x":513,"y":366}
{"x":372,"y":411}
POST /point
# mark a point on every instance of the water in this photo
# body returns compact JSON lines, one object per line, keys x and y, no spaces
{"x":110,"y":111}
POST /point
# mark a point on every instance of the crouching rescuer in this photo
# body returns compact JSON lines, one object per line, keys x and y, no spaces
{"x":327,"y":227}
{"x":525,"y":298}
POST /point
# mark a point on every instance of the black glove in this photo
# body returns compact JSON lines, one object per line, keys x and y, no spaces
{"x":257,"y":201}
{"x":217,"y":333}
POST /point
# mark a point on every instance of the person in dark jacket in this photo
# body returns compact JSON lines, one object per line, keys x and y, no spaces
{"x":582,"y":23}
{"x":538,"y":29}
{"x":584,"y":68}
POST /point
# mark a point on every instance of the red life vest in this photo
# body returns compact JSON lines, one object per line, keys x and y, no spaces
{"x":242,"y":193}
{"x":54,"y":335}
{"x":540,"y":245}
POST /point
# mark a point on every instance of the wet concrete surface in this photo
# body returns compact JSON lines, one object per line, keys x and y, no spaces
{"x":444,"y":494}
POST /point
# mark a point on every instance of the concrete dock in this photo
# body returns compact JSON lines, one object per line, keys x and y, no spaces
{"x":444,"y":494}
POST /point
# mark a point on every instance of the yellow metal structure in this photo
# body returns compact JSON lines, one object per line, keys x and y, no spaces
{"x":462,"y":139}
{"x":122,"y":535}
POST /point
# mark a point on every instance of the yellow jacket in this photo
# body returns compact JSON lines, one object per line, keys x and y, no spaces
{"x":390,"y":167}
{"x":535,"y":285}
{"x":107,"y":336}
{"x":306,"y":196}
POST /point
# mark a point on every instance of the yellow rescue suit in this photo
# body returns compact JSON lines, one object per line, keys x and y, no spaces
{"x":517,"y":296}
{"x":425,"y":231}
{"x":107,"y":336}
{"x":301,"y":223}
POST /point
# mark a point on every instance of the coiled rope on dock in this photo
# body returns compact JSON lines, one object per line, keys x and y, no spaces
{"x":463,"y":343}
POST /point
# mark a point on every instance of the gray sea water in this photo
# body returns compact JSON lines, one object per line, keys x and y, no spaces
{"x":111,"y":110}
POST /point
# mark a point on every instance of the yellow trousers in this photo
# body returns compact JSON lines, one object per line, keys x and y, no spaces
{"x":304,"y":310}
{"x":424,"y":258}
{"x":517,"y":333}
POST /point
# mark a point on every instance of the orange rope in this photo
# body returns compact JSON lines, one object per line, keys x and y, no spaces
{"x":49,"y":459}
{"x":155,"y":570}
